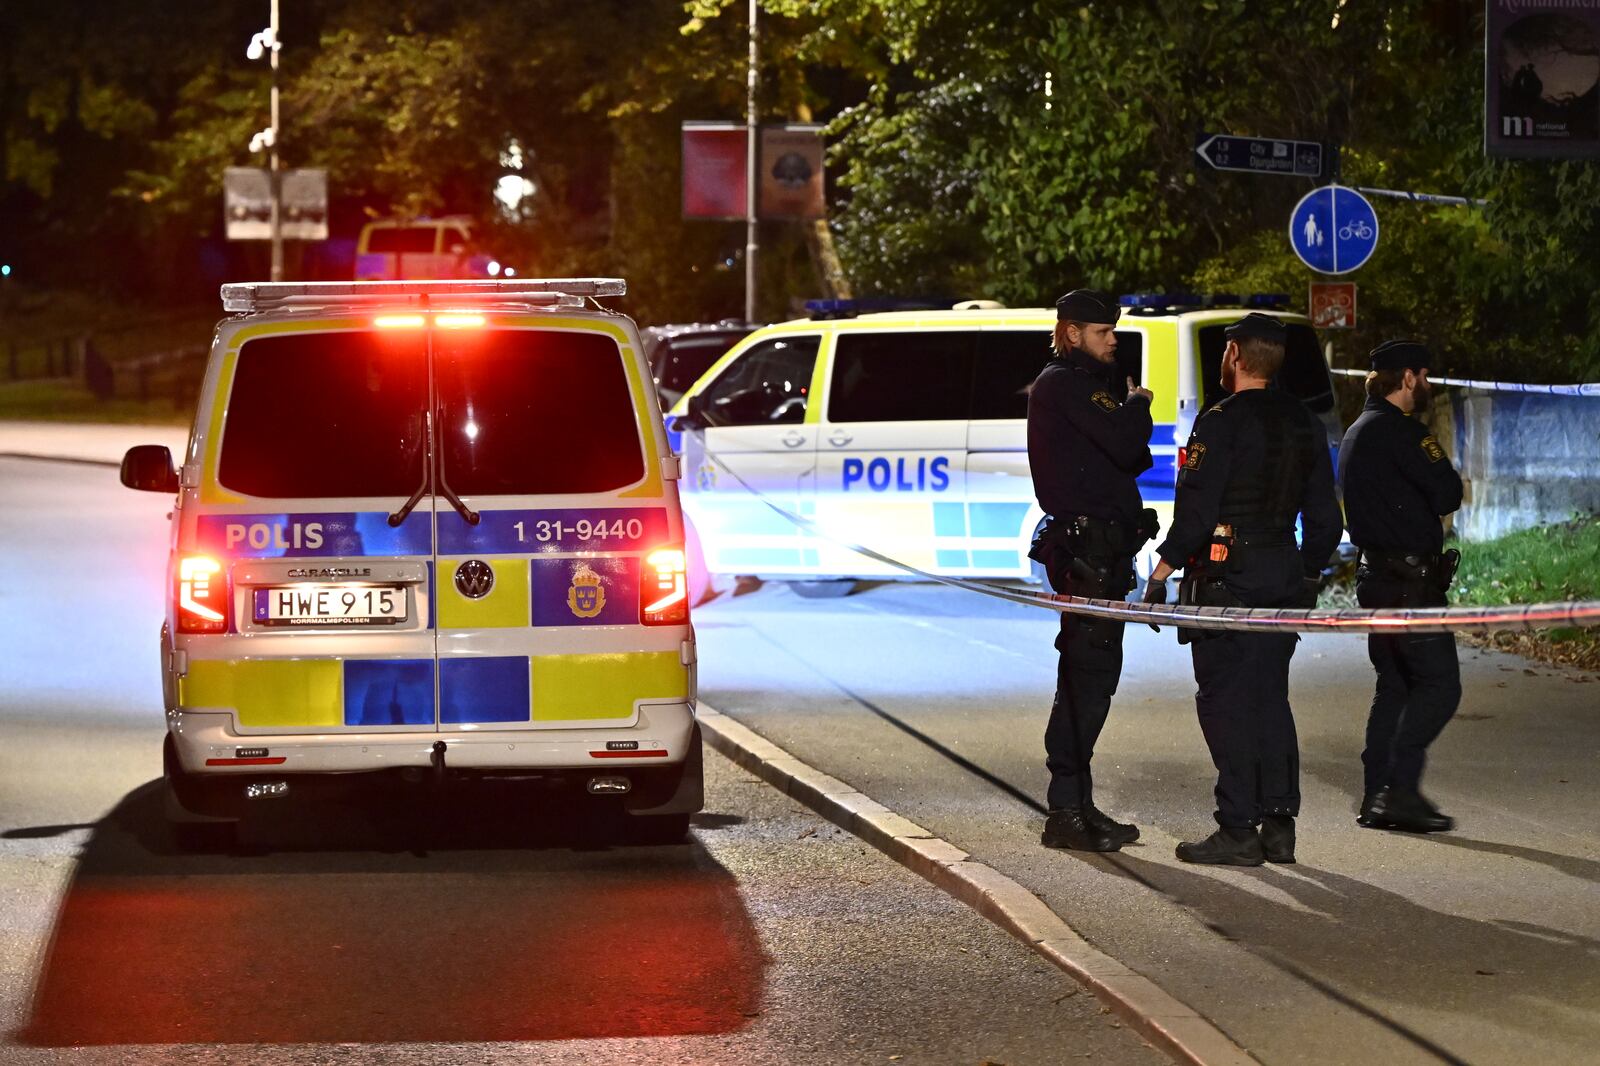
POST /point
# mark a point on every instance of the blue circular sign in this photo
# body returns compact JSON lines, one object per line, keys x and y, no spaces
{"x":1333,"y":229}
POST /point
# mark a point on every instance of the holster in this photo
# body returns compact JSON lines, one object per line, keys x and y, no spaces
{"x":1091,"y":557}
{"x":1417,"y":579}
{"x":1200,"y":587}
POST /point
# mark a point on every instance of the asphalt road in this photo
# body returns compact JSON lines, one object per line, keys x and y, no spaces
{"x":1479,"y":946}
{"x":438,"y":929}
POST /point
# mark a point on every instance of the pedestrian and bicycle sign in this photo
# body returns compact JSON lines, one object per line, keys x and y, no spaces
{"x":1333,"y":229}
{"x":1261,"y":155}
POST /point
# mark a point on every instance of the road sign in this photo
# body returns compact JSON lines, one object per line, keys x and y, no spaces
{"x":1333,"y":229}
{"x":247,"y":204}
{"x":1333,"y":304}
{"x":1261,"y":155}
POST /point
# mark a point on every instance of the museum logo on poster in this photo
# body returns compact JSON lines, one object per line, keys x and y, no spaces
{"x":1542,"y":79}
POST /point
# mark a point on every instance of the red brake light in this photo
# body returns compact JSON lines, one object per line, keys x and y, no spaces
{"x":202,"y":595}
{"x":664,"y":588}
{"x":399,"y":321}
{"x":457,"y":320}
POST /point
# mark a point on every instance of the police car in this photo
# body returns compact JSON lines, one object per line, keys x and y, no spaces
{"x":425,"y":530}
{"x":906,"y":432}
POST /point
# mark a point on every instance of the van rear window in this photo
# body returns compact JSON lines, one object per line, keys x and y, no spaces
{"x":407,"y":240}
{"x":535,"y":412}
{"x":524,"y":412}
{"x":327,"y":414}
{"x":1304,"y":372}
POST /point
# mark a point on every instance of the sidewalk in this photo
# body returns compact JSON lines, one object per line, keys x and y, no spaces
{"x":86,"y":442}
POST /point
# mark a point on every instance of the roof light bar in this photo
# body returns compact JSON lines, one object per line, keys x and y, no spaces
{"x":265,"y":295}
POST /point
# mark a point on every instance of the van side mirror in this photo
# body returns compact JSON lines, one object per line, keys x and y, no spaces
{"x":149,"y":467}
{"x":696,"y":416}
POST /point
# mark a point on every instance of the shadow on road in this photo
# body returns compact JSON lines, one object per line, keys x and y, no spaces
{"x":436,"y":920}
{"x":1517,"y":977}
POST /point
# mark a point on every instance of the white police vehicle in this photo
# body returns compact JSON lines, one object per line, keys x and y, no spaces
{"x":425,"y":530}
{"x":906,"y":432}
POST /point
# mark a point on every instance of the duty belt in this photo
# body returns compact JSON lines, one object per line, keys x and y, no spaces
{"x":1262,"y":538}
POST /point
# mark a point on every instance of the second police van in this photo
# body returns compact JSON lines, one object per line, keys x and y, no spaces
{"x":906,"y":432}
{"x":425,"y":531}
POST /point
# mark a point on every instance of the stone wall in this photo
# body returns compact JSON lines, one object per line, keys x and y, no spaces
{"x":1527,"y":459}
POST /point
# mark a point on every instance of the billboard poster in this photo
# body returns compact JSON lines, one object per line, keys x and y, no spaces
{"x":713,"y":170}
{"x":791,"y":173}
{"x":1542,"y":79}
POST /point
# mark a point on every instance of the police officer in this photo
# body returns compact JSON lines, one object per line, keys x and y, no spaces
{"x":1255,"y":461}
{"x":1397,"y":483}
{"x":1088,"y":441}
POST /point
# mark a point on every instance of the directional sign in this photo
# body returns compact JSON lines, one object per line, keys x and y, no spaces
{"x":1261,"y":155}
{"x":1333,"y":229}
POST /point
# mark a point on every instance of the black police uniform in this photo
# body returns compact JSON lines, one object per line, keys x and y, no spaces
{"x":1254,"y":462}
{"x":1087,"y":445}
{"x":1397,"y":483}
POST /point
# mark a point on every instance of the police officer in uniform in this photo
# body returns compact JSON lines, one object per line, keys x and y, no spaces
{"x":1255,"y":462}
{"x":1397,"y":483}
{"x":1088,"y":441}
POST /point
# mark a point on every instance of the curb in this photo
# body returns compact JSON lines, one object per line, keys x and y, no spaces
{"x":1167,"y":1023}
{"x":79,"y":460}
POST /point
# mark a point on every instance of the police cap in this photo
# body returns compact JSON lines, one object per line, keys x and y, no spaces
{"x":1400,"y":355}
{"x":1258,"y":326}
{"x":1088,"y":306}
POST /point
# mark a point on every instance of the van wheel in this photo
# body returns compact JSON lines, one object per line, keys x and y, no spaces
{"x":201,"y":838}
{"x":657,"y":828}
{"x":823,"y":590}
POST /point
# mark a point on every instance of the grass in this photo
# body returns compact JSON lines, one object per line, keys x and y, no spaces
{"x":1545,"y":564}
{"x":65,"y":400}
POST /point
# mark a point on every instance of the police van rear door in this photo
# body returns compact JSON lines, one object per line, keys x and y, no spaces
{"x":553,"y":515}
{"x":314,"y":508}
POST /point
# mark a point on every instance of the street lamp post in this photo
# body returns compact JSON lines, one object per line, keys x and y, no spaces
{"x":267,"y":43}
{"x":751,"y":233}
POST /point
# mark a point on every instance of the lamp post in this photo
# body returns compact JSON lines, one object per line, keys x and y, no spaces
{"x":267,"y":43}
{"x":752,"y":239}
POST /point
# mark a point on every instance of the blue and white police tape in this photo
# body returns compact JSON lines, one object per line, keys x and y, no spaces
{"x":1241,"y":619}
{"x":1586,"y":389}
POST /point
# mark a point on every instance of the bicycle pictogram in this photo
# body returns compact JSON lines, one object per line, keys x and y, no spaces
{"x":1360,"y":230}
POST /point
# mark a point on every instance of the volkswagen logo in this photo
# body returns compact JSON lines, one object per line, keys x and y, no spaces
{"x":474,"y":579}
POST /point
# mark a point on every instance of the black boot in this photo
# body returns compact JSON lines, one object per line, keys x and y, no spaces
{"x":1121,"y":832}
{"x":1226,"y":847}
{"x":1408,"y":809}
{"x":1277,"y":837}
{"x":1368,"y":815}
{"x":1071,"y":828}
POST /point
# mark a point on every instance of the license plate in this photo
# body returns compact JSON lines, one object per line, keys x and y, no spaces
{"x":330,"y":605}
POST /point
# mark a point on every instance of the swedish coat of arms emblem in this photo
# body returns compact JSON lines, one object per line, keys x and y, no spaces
{"x":587,"y":596}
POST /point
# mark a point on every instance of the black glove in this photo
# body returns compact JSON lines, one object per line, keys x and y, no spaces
{"x":1309,"y":588}
{"x":1149,"y":526}
{"x":1154,"y":592}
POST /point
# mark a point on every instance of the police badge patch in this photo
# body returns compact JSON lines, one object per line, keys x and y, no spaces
{"x":587,"y":596}
{"x":1103,"y":400}
{"x":1194,"y":455}
{"x":1430,"y":448}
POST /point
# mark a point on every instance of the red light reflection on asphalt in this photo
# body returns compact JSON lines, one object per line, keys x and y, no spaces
{"x":443,"y":947}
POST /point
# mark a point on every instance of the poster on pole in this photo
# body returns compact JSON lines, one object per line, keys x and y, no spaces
{"x":791,"y":173}
{"x":713,"y":170}
{"x":247,"y":204}
{"x":1541,"y":83}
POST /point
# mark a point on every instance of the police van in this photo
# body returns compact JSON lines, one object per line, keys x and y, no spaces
{"x":906,"y":432}
{"x":425,"y":531}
